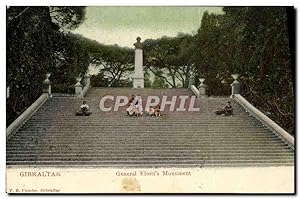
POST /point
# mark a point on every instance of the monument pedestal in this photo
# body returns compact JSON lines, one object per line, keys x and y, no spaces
{"x":138,"y":82}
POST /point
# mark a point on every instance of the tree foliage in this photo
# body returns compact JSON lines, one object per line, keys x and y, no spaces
{"x":170,"y":58}
{"x":35,"y":46}
{"x":254,"y":42}
{"x":115,"y":63}
{"x":67,"y":17}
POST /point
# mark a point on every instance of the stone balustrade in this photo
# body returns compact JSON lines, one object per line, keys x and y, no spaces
{"x":81,"y":90}
{"x":13,"y":127}
{"x":264,"y":119}
{"x":195,"y":90}
{"x":202,"y":88}
{"x":235,"y":86}
{"x":78,"y":88}
{"x":87,"y":84}
{"x":47,"y":85}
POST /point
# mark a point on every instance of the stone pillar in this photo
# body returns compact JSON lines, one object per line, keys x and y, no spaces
{"x":235,"y":86}
{"x":78,"y":87}
{"x":87,"y":79}
{"x":138,"y":77}
{"x":47,"y":85}
{"x":202,"y":88}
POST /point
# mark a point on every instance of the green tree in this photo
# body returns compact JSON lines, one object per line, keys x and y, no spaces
{"x":252,"y":41}
{"x":172,"y":56}
{"x":158,"y":81}
{"x":147,"y":80}
{"x":114,"y":62}
{"x":33,"y":48}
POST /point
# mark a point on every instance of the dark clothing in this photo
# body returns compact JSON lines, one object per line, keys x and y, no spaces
{"x":228,"y":110}
{"x":83,"y":112}
{"x":80,"y":113}
{"x":219,"y":112}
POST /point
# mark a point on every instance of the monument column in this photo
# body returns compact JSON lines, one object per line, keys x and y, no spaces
{"x":138,"y":77}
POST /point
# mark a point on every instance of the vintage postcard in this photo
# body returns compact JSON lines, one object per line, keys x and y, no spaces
{"x":150,"y":99}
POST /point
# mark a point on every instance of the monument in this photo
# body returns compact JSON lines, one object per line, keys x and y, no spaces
{"x":138,"y":77}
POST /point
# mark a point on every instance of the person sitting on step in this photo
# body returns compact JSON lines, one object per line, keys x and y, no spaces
{"x":84,"y":109}
{"x":157,"y":111}
{"x":227,"y":110}
{"x":134,"y":107}
{"x":130,"y":106}
{"x":150,"y":111}
{"x":131,"y":99}
{"x":138,"y":107}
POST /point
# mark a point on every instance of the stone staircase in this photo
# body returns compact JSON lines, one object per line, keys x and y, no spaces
{"x":54,"y":136}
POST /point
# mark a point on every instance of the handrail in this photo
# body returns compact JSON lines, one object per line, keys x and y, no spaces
{"x":195,"y":90}
{"x":265,"y":119}
{"x":85,"y":89}
{"x":13,"y":127}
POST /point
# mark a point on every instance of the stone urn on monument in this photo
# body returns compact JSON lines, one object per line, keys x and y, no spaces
{"x":138,"y":77}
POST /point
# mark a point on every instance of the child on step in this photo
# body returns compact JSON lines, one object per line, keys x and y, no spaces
{"x":84,"y":110}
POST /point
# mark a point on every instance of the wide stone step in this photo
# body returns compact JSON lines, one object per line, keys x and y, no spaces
{"x":149,"y":139}
{"x":125,"y":139}
{"x":154,"y":160}
{"x":145,"y":165}
{"x":121,"y":118}
{"x":141,"y":138}
{"x":110,"y":147}
{"x":149,"y":131}
{"x":153,"y":163}
{"x":112,"y":136}
{"x":141,"y":159}
{"x":146,"y":151}
{"x":137,"y":156}
{"x":138,"y":140}
{"x":146,"y":146}
{"x":145,"y":126}
{"x":141,"y":135}
{"x":261,"y":154}
{"x":136,"y":126}
{"x":124,"y":134}
{"x":142,"y":127}
{"x":232,"y":152}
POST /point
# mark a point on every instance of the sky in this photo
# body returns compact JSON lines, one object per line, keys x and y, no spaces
{"x":122,"y":25}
